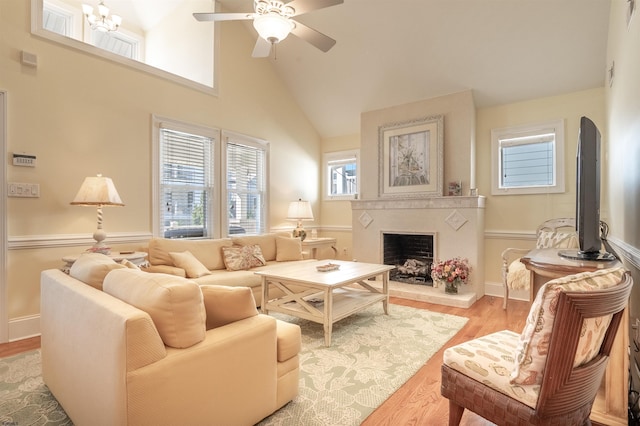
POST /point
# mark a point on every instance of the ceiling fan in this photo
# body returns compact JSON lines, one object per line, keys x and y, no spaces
{"x":273,"y":21}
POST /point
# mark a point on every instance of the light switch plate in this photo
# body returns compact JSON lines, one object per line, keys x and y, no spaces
{"x":23,"y":190}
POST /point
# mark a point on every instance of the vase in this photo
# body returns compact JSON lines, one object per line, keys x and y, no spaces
{"x":451,"y":287}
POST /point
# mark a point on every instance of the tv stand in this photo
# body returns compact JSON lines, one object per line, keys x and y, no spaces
{"x":610,"y":406}
{"x":595,"y":256}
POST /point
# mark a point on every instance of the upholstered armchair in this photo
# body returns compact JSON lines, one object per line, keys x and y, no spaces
{"x":551,"y":372}
{"x":554,"y":233}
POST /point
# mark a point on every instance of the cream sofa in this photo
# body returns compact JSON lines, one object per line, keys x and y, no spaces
{"x":225,"y":261}
{"x":156,"y":349}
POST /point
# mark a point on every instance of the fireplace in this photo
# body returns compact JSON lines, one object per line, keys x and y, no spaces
{"x":411,"y":254}
{"x":455,"y":224}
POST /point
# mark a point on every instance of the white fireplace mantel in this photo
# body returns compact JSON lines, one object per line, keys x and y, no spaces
{"x":420,"y":203}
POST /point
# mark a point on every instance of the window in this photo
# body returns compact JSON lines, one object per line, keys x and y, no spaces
{"x":193,"y":172}
{"x":145,"y":41}
{"x":246,"y":164}
{"x":185,"y":180}
{"x":341,"y":175}
{"x":119,"y":43}
{"x":528,"y":159}
{"x":61,"y":18}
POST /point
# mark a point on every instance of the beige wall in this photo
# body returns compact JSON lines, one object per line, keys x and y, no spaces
{"x":82,"y":115}
{"x":511,"y":220}
{"x":623,"y":156}
{"x":459,"y":130}
{"x":336,"y":214}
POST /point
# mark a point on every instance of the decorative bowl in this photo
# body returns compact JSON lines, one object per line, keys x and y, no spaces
{"x":328,"y":267}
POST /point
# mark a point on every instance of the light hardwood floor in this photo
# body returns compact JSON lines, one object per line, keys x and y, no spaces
{"x":417,"y":402}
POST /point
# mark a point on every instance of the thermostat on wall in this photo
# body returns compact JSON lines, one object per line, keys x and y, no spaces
{"x":24,"y":160}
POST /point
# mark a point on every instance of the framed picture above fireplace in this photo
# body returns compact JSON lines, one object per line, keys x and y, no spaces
{"x":410,"y":158}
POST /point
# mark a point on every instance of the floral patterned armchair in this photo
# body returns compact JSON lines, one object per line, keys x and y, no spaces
{"x":551,"y":372}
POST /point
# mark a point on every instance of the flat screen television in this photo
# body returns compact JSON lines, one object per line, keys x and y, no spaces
{"x":588,"y":196}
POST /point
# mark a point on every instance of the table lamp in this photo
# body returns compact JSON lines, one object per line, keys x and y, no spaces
{"x":300,"y":210}
{"x":98,"y":191}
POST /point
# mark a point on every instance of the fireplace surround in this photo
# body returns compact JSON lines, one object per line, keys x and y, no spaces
{"x":456,"y":222}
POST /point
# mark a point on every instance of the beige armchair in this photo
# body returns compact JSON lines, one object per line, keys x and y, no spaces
{"x":554,"y":233}
{"x":549,"y":374}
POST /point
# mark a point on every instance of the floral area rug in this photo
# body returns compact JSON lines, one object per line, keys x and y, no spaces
{"x":370,"y":357}
{"x":24,"y":398}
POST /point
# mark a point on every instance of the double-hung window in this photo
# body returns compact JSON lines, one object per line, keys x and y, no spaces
{"x":528,"y":159}
{"x":341,"y":175}
{"x":246,"y":186}
{"x":185,"y":180}
{"x":204,"y":188}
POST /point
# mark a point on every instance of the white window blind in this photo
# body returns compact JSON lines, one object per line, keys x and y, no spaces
{"x":528,"y":159}
{"x":246,"y":185}
{"x":186,"y":184}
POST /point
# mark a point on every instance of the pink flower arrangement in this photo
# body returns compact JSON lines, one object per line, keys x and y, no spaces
{"x":451,"y":270}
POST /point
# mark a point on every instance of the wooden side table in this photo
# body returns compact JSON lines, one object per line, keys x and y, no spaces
{"x":137,"y":258}
{"x":315,"y":243}
{"x":610,"y":406}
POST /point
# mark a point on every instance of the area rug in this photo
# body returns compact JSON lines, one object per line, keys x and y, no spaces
{"x":370,"y":357}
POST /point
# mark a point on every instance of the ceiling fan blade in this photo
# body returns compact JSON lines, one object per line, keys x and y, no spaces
{"x":205,"y":16}
{"x":312,"y":36}
{"x":304,"y":6}
{"x":261,"y":49}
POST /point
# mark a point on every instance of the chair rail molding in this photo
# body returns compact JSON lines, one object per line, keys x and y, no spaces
{"x":73,"y":240}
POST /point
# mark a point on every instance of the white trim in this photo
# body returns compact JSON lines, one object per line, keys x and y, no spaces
{"x":328,"y":157}
{"x":4,"y":313}
{"x":24,"y":327}
{"x":74,"y":240}
{"x":510,"y":235}
{"x":627,"y":251}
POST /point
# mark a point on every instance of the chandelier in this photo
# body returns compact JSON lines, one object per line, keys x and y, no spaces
{"x":102,"y":22}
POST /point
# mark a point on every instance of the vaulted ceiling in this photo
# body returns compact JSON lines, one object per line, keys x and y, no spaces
{"x":391,"y":52}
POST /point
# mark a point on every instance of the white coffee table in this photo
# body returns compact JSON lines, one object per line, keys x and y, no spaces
{"x":324,"y":297}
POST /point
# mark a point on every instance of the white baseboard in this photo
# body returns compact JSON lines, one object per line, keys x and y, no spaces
{"x":24,"y":327}
{"x":497,"y":290}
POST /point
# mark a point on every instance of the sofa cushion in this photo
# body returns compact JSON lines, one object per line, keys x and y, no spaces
{"x":489,"y":360}
{"x":288,"y":249}
{"x":225,"y":305}
{"x":208,"y":252}
{"x":267,"y":243}
{"x":289,"y":340}
{"x":238,"y":258}
{"x":187,"y":261}
{"x":174,"y":304}
{"x":531,"y":353}
{"x":91,"y":268}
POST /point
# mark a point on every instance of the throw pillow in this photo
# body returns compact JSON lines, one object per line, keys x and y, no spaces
{"x":188,"y":262}
{"x":531,"y":353}
{"x":238,"y":258}
{"x":174,"y":304}
{"x":225,"y":305}
{"x":288,"y":249}
{"x":267,"y":243}
{"x":91,"y":268}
